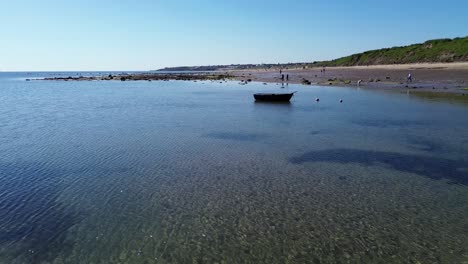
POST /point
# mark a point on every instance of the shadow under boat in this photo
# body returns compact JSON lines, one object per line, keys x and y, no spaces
{"x":287,"y":103}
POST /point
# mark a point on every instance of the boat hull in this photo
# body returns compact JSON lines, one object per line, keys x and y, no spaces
{"x":264,"y":97}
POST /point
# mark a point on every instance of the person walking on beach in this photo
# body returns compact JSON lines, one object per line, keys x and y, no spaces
{"x":287,"y":77}
{"x":282,"y":77}
{"x":409,"y":78}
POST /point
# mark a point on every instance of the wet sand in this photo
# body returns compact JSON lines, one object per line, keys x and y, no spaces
{"x":440,"y":77}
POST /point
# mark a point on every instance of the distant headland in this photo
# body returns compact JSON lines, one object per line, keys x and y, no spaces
{"x":431,"y":51}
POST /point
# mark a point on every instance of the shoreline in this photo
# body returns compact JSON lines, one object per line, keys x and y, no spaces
{"x":448,"y":78}
{"x":434,"y":78}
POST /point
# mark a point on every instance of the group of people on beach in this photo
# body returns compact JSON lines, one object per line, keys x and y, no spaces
{"x":282,"y":76}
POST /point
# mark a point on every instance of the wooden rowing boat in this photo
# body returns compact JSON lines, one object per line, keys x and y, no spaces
{"x":273,"y":97}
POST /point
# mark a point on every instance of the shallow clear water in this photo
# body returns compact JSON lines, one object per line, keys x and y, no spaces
{"x":179,"y":172}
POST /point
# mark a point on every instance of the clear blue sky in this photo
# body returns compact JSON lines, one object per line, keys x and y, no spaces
{"x":150,"y":34}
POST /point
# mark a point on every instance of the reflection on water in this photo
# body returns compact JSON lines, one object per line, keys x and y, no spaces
{"x":274,"y":104}
{"x":442,"y":97}
{"x":424,"y":144}
{"x":183,"y":172}
{"x":385,"y":123}
{"x":435,"y":168}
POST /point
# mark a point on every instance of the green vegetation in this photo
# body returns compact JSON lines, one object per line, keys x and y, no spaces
{"x":438,"y":50}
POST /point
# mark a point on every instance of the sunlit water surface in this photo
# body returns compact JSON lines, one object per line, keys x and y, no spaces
{"x":182,"y":172}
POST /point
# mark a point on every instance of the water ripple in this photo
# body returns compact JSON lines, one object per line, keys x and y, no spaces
{"x":32,"y":220}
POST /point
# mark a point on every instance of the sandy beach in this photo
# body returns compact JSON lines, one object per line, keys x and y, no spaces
{"x":437,"y":77}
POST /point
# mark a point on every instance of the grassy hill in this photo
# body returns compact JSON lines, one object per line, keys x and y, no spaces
{"x":432,"y":51}
{"x":437,"y":50}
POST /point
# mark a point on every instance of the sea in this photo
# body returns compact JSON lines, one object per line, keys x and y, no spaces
{"x":198,"y":172}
